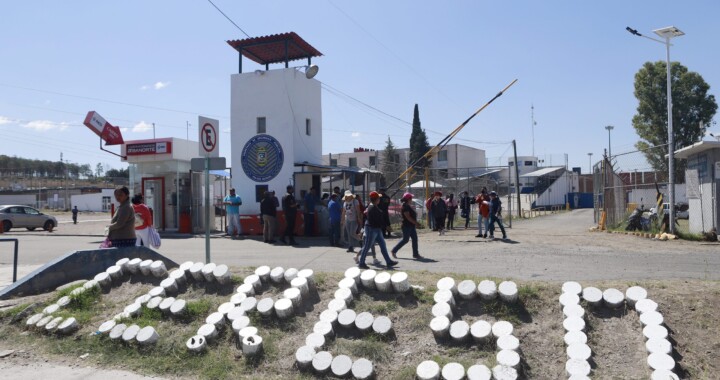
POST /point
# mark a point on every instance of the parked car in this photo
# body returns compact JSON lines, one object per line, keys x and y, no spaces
{"x":18,"y":216}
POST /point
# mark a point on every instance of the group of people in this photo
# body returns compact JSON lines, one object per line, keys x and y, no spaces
{"x":131,"y":223}
{"x":442,"y":212}
{"x":365,"y":226}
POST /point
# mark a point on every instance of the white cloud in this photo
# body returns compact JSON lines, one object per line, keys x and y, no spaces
{"x":142,"y":127}
{"x":161,"y":85}
{"x":124,"y":129}
{"x":5,"y":120}
{"x":45,"y":125}
{"x":355,"y":134}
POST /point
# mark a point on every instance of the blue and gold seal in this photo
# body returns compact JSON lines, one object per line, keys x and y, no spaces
{"x":262,"y":158}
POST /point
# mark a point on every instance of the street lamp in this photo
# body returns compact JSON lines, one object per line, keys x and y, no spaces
{"x":667,"y":33}
{"x":590,"y":163}
{"x":609,"y":128}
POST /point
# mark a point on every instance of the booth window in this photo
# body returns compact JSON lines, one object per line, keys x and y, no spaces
{"x":442,"y":155}
{"x":261,"y":128}
{"x":307,"y":127}
{"x":372,"y":161}
{"x":528,"y":163}
{"x":333,"y":162}
{"x":352,"y":162}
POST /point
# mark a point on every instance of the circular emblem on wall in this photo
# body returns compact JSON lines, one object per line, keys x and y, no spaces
{"x":262,"y":158}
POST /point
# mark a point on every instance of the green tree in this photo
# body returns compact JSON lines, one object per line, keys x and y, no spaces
{"x":99,"y":170}
{"x":390,"y":163}
{"x":693,"y":110}
{"x":418,"y":141}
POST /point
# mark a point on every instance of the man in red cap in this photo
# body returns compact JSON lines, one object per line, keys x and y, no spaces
{"x":374,"y":232}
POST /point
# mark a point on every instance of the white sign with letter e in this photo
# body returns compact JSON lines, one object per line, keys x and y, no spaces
{"x":209,"y":135}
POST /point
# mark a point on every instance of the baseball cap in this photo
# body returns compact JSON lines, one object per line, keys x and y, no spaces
{"x":438,"y":193}
{"x":407,"y":196}
{"x":374,"y":195}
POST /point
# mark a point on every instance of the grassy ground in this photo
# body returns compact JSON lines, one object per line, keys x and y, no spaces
{"x":615,"y":337}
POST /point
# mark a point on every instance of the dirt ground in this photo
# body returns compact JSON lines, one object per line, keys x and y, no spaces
{"x":615,"y":337}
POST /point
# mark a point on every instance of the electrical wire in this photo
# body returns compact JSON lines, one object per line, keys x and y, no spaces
{"x":106,"y":100}
{"x":228,"y":18}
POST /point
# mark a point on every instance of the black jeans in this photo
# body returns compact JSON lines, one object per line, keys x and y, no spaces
{"x":290,"y":225}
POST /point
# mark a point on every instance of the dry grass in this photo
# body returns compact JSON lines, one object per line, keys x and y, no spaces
{"x":616,"y":338}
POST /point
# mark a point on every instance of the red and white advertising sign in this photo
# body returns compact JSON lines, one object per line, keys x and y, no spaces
{"x":108,"y":132}
{"x":140,"y":148}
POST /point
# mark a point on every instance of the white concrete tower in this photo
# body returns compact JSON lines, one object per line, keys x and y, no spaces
{"x":275,"y":117}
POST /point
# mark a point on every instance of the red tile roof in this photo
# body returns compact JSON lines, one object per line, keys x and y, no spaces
{"x":271,"y":49}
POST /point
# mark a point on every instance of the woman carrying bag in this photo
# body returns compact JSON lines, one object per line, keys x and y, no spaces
{"x":143,"y":221}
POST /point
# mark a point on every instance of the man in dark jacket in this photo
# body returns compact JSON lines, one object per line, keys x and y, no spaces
{"x":439,"y":210}
{"x":466,"y":202}
{"x":269,"y":212}
{"x":290,"y":207}
{"x":384,"y":206}
{"x":495,"y":216}
{"x":373,"y":232}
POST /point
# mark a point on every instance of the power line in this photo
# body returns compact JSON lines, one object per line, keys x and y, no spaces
{"x":228,"y":18}
{"x":106,"y":100}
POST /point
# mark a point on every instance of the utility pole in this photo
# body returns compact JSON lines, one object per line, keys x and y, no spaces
{"x":153,"y":131}
{"x":532,"y":125}
{"x":517,"y":180}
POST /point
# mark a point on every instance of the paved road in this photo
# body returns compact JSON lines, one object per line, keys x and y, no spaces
{"x":555,"y":247}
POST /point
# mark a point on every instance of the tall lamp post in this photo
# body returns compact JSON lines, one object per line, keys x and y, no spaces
{"x":667,"y":33}
{"x":609,"y":128}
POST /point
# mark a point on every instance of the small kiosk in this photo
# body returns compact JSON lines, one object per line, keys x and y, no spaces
{"x":160,"y":170}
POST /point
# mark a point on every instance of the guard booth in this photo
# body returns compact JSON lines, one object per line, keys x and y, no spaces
{"x":160,"y":170}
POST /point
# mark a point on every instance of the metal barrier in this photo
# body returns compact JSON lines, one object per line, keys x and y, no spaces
{"x":15,"y":258}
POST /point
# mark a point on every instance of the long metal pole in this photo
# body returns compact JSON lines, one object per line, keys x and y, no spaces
{"x":207,"y":209}
{"x":432,"y":151}
{"x":671,"y":144}
{"x":517,"y":180}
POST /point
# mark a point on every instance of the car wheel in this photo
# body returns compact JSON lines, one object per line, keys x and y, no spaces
{"x":49,"y":225}
{"x":7,"y":225}
{"x":31,"y":228}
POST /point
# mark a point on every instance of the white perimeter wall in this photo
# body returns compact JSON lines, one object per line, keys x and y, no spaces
{"x":19,"y":199}
{"x":91,"y":202}
{"x":286,"y":98}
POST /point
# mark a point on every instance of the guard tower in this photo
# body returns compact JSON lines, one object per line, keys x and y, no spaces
{"x":275,"y":116}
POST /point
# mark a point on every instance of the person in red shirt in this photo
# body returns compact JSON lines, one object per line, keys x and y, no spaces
{"x":483,"y":201}
{"x":143,"y":221}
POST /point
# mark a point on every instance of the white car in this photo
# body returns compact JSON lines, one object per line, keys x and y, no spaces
{"x":19,"y":216}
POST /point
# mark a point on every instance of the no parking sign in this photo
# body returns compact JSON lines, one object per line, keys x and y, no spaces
{"x":209,"y":137}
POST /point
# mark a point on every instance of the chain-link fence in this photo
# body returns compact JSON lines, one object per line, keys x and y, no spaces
{"x":634,"y":195}
{"x":423,"y":183}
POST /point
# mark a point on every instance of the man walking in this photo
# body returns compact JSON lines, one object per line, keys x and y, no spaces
{"x":439,"y":211}
{"x":232,"y":204}
{"x":74,"y":214}
{"x":465,"y":205}
{"x":495,"y":216}
{"x":483,"y":201}
{"x":384,"y":206}
{"x":310,"y":202}
{"x":289,"y":206}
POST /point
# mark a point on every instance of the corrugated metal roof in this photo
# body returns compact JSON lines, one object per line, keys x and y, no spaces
{"x":542,"y":172}
{"x":272,"y":49}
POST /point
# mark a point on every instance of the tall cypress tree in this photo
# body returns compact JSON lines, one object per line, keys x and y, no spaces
{"x":418,"y":141}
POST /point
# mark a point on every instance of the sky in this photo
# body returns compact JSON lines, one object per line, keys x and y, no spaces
{"x":166,"y":62}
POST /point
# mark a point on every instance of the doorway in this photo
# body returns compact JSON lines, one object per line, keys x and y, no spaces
{"x":153,"y":189}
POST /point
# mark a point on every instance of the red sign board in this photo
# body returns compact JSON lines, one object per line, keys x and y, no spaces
{"x":148,"y":147}
{"x":110,"y":133}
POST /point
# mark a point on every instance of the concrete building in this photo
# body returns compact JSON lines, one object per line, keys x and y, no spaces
{"x":275,"y":119}
{"x":99,"y":201}
{"x":453,"y":156}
